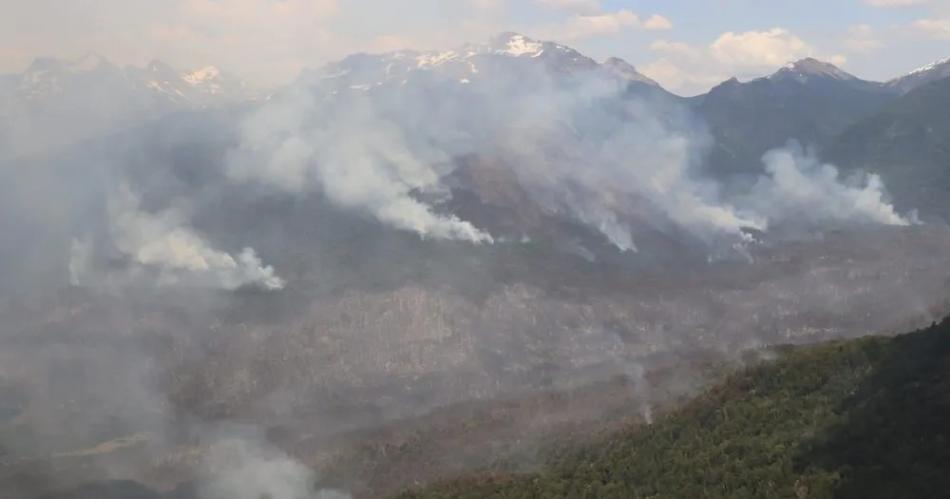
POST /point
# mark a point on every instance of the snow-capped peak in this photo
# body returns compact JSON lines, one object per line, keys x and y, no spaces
{"x":88,"y":62}
{"x":431,"y":59}
{"x":516,"y":45}
{"x":467,"y":64}
{"x":202,"y":75}
{"x":929,"y":67}
{"x":197,"y":88}
{"x":809,"y":67}
{"x":921,"y":76}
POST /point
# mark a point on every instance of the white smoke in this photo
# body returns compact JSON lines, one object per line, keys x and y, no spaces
{"x":799,"y":189}
{"x":580,"y":145}
{"x":640,"y":164}
{"x":163,"y":242}
{"x":237,"y":468}
{"x":357,"y":158}
{"x":80,"y":258}
{"x":632,"y":164}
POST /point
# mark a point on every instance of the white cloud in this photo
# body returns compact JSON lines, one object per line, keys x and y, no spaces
{"x":583,"y":7}
{"x":937,"y":28}
{"x":691,"y":69}
{"x":281,"y":37}
{"x":679,"y":77}
{"x":862,"y":38}
{"x":676,"y":48}
{"x":589,"y":20}
{"x":580,"y":27}
{"x":896,"y":3}
{"x":487,"y":5}
{"x":599,"y":25}
{"x":770,"y":48}
{"x":683,"y":66}
{"x":657,"y":21}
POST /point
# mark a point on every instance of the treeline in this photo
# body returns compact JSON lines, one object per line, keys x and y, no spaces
{"x":861,"y":418}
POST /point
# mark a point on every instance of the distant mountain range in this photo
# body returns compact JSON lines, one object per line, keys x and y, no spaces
{"x":807,"y":100}
{"x":810,"y":101}
{"x":846,"y":119}
{"x":56,"y":102}
{"x":505,"y":53}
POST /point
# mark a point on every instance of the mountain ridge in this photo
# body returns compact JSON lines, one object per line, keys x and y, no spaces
{"x":921,"y":76}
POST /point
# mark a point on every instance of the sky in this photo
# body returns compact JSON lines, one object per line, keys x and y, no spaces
{"x":686,"y":45}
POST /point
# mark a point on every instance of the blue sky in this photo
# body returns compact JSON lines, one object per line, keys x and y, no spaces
{"x":687,"y":45}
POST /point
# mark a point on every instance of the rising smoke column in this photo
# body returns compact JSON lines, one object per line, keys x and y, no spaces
{"x":163,"y":245}
{"x":246,"y":467}
{"x":799,"y":189}
{"x":357,"y":158}
{"x":614,"y":160}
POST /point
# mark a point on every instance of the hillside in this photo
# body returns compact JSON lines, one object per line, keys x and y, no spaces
{"x":906,"y":143}
{"x":860,"y":418}
{"x":808,"y":100}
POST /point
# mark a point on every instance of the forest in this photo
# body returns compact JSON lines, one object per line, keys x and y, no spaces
{"x":846,"y":419}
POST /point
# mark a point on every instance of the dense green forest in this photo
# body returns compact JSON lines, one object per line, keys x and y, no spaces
{"x":848,"y":419}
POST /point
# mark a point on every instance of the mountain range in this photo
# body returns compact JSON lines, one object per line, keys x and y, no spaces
{"x":443,"y":255}
{"x":56,"y":102}
{"x":810,"y":101}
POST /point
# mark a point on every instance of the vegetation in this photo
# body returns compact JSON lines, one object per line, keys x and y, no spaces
{"x":854,"y":419}
{"x":907,"y":144}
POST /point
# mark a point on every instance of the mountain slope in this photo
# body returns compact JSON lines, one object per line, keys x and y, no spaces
{"x":932,"y":72}
{"x":863,"y":418}
{"x":908,"y":144}
{"x":809,"y":100}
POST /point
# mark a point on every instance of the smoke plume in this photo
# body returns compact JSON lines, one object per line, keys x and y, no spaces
{"x":240,"y":468}
{"x":799,"y":189}
{"x":161,"y":244}
{"x":585,"y":145}
{"x":354,"y":156}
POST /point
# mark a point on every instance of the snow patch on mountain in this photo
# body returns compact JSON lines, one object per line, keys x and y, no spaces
{"x":929,"y":67}
{"x":518,"y":45}
{"x":465,"y":65}
{"x":804,"y":69}
{"x":88,"y":62}
{"x":921,"y":76}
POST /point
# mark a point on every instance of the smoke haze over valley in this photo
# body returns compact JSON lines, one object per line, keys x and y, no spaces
{"x":407,"y":265}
